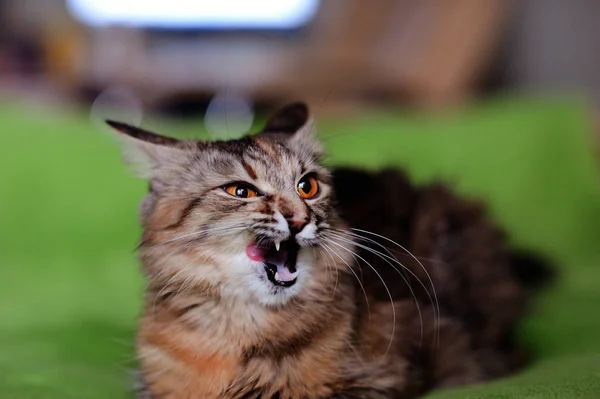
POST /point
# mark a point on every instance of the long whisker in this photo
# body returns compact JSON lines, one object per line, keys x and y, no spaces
{"x":437,"y":305}
{"x":329,"y":269}
{"x":222,"y":230}
{"x":395,"y":260}
{"x":320,"y":106}
{"x":382,"y":256}
{"x":354,"y":254}
{"x":357,"y":279}
{"x":392,"y":258}
{"x":194,"y":234}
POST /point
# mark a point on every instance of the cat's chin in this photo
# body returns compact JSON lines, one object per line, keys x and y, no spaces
{"x":273,"y":294}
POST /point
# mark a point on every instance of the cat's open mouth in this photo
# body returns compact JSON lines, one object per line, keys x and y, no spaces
{"x":279,"y":260}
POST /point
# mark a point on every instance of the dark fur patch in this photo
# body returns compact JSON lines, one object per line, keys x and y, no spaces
{"x":249,"y":170}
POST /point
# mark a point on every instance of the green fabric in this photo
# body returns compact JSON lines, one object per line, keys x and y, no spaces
{"x":69,"y":284}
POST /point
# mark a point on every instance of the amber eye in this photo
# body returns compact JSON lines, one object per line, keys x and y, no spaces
{"x":308,"y":187}
{"x":240,"y":190}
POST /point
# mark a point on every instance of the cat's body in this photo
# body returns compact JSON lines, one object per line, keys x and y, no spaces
{"x":269,"y":277}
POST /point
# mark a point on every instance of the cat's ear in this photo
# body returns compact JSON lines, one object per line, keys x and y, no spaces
{"x":147,"y":152}
{"x":294,"y":124}
{"x":290,"y":119}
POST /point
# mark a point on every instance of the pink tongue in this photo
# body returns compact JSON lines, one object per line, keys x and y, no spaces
{"x":261,"y":254}
{"x":256,"y":253}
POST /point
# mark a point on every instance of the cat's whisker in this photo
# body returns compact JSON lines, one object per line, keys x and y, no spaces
{"x":329,"y":268}
{"x":179,"y":238}
{"x":432,"y":300}
{"x":261,"y":240}
{"x":337,"y":272}
{"x":357,"y":279}
{"x":421,"y":258}
{"x":342,"y":135}
{"x":437,"y":305}
{"x":314,"y":121}
{"x":383,"y":257}
{"x":391,"y":257}
{"x":393,"y":332}
{"x":221,"y":230}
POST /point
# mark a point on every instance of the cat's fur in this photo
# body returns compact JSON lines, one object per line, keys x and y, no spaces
{"x":214,"y":326}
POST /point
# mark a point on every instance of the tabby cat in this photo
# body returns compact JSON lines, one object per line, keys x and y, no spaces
{"x":271,"y":276}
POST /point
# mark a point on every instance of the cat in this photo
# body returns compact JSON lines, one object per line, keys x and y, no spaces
{"x":271,"y":276}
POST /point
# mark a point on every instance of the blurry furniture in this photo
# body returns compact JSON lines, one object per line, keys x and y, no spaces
{"x":423,"y":53}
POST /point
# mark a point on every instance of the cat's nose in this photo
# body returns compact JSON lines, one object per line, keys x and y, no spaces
{"x":296,"y":225}
{"x":292,"y":210}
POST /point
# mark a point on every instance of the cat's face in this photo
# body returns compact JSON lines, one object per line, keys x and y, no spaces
{"x":246,"y":217}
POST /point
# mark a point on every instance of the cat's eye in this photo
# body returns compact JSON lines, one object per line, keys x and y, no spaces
{"x":308,"y":187}
{"x":241,"y":190}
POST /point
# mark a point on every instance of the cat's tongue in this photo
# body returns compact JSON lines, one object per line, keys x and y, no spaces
{"x":280,"y":263}
{"x":255,"y":252}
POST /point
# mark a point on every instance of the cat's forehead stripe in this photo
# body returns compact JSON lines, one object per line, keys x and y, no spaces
{"x":249,"y":170}
{"x":266,"y":146}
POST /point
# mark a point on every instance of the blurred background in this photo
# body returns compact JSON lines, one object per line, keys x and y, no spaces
{"x":176,"y":55}
{"x":499,"y":98}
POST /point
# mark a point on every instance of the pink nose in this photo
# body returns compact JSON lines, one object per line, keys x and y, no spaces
{"x":296,"y":225}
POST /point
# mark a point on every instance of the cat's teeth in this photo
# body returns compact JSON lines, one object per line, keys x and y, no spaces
{"x":277,"y":276}
{"x":277,"y":245}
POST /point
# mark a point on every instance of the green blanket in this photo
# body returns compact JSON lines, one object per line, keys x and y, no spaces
{"x":70,"y":288}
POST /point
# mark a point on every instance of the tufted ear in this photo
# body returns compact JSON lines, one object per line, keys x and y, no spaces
{"x":289,"y":120}
{"x":294,"y":125}
{"x":148,"y":152}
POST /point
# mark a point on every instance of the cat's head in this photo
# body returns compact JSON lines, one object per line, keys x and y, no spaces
{"x":245,"y":217}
